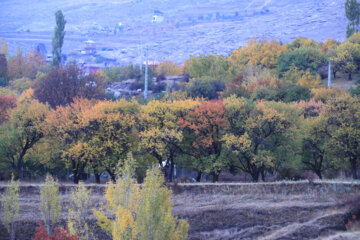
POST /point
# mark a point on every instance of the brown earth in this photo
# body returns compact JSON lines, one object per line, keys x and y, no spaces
{"x":264,"y":211}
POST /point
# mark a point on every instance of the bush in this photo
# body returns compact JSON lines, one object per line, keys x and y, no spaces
{"x":204,"y":87}
{"x":293,"y":93}
{"x":159,"y":87}
{"x":168,"y":68}
{"x":59,"y":234}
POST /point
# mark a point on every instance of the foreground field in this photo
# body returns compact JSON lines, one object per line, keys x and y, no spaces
{"x":284,"y":210}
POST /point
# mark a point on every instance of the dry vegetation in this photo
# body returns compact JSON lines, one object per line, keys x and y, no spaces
{"x":282,"y":210}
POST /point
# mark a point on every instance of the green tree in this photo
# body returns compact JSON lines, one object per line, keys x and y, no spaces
{"x":25,"y":128}
{"x":10,"y":207}
{"x":304,"y":58}
{"x":344,"y":117}
{"x":352,"y":12}
{"x":256,"y":133}
{"x":50,"y":206}
{"x":58,"y":38}
{"x":315,"y":145}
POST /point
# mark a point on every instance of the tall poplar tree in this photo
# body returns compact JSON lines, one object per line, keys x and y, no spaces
{"x":352,"y":12}
{"x":58,"y":37}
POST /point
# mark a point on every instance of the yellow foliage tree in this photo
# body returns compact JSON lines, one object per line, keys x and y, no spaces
{"x":10,"y":207}
{"x":168,"y":68}
{"x":140,"y":213}
{"x":259,"y":52}
{"x":50,"y":206}
{"x":77,"y":212}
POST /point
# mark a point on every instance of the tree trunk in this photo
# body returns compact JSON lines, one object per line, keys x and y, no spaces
{"x":171,"y":177}
{"x":97,"y":177}
{"x":76,"y":179}
{"x":12,"y":231}
{"x":198,"y":178}
{"x":354,"y":169}
{"x":112,"y":176}
{"x":350,"y":77}
{"x":255,"y":176}
{"x":334,"y":73}
{"x":20,"y":164}
{"x":263,"y":175}
{"x":215,"y":177}
{"x":319,"y":174}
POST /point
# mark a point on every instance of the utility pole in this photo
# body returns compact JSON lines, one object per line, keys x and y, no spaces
{"x":329,"y":75}
{"x":146,"y":74}
{"x":141,"y":57}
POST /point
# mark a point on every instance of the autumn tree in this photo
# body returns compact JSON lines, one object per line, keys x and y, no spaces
{"x":63,"y":84}
{"x":25,"y":128}
{"x":10,"y":207}
{"x":301,"y":42}
{"x":207,"y":124}
{"x":109,"y":134}
{"x":213,"y":66}
{"x":66,"y":124}
{"x":259,"y":52}
{"x":161,"y":136}
{"x":4,"y":48}
{"x":140,"y":213}
{"x":58,"y":38}
{"x":77,"y":212}
{"x":343,"y":113}
{"x":168,"y":68}
{"x":256,"y":132}
{"x":315,"y":146}
{"x":50,"y":206}
{"x":347,"y":58}
{"x":6,"y":104}
{"x":27,"y":65}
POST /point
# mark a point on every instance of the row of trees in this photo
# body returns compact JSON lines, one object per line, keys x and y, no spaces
{"x":257,"y":137}
{"x":131,"y":212}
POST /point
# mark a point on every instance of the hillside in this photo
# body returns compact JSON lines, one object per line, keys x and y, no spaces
{"x":188,"y":28}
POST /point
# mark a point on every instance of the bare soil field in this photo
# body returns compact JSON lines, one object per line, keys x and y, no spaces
{"x":264,"y":211}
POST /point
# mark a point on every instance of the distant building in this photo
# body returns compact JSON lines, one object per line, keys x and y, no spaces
{"x":120,"y":27}
{"x":158,"y":16}
{"x":90,"y":47}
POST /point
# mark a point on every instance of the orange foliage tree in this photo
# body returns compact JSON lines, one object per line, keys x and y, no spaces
{"x":207,"y":124}
{"x":6,"y":104}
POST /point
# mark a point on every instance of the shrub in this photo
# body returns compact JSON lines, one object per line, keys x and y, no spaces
{"x":326,"y":94}
{"x":59,"y":234}
{"x":168,"y":68}
{"x":159,"y":87}
{"x":204,"y":87}
{"x":293,"y":93}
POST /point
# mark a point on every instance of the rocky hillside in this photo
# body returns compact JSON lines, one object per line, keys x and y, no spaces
{"x":189,"y":27}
